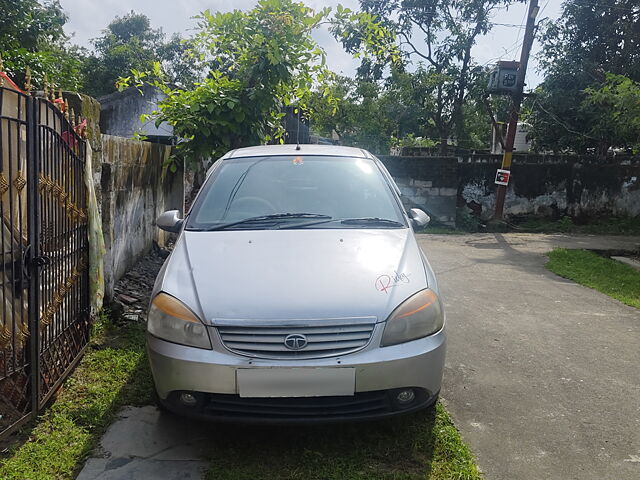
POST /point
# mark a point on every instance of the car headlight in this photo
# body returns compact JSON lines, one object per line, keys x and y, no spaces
{"x":417,"y":317}
{"x":170,"y":319}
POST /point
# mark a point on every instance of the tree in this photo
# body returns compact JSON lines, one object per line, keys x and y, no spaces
{"x":129,"y":43}
{"x":441,"y":34}
{"x":364,"y":114}
{"x":616,"y":106}
{"x":31,"y":35}
{"x":587,"y":42}
{"x":259,"y":61}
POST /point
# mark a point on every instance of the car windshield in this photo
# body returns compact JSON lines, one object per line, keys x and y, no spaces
{"x":296,"y":192}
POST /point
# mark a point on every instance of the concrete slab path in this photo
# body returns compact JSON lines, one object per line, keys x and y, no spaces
{"x":144,"y":443}
{"x":542,"y":375}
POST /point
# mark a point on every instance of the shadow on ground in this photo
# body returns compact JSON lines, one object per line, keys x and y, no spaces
{"x":395,"y":448}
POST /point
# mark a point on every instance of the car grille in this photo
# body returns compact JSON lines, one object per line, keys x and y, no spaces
{"x":325,"y":338}
{"x":265,"y":409}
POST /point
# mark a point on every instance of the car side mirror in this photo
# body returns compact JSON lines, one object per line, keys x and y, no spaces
{"x":419,"y":218}
{"x":169,"y":221}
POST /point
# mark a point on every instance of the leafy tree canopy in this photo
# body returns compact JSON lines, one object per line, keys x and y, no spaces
{"x":31,"y":35}
{"x":364,"y":113}
{"x":258,"y":61}
{"x":440,"y":34}
{"x":129,"y":42}
{"x":589,"y":41}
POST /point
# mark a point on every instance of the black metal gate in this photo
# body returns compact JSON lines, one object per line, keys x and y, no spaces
{"x":44,"y":284}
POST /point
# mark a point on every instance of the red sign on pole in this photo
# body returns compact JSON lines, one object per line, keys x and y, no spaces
{"x":502,"y":177}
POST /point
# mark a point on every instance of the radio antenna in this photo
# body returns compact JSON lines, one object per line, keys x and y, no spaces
{"x":298,"y":131}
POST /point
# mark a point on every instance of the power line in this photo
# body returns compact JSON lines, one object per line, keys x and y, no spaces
{"x":560,"y":122}
{"x":508,"y":25}
{"x":544,"y":8}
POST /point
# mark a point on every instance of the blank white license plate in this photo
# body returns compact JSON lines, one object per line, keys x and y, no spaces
{"x":295,"y":382}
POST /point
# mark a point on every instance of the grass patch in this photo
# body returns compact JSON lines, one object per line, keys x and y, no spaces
{"x":421,"y":446}
{"x":612,"y":278}
{"x":114,"y":372}
{"x":602,"y":226}
{"x":441,"y":230}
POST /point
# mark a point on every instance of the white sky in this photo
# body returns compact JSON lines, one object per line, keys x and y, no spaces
{"x":87,"y":19}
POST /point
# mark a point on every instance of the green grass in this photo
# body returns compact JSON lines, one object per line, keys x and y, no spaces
{"x":602,"y":226}
{"x":113,"y":373}
{"x":420,"y":446}
{"x":440,"y":230}
{"x":610,"y":277}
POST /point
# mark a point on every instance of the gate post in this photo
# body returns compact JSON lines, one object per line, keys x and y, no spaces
{"x":33,"y":216}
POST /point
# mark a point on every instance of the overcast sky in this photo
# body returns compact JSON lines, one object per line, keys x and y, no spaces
{"x":87,"y":19}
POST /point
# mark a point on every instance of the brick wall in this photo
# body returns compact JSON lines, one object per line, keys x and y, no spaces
{"x":429,"y":183}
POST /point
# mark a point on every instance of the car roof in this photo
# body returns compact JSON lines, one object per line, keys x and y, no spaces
{"x":292,"y":149}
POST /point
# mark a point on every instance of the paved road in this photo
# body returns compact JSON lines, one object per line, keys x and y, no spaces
{"x":542,"y":375}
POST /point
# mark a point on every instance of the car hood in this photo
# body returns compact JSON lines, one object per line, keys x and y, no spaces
{"x":294,"y":274}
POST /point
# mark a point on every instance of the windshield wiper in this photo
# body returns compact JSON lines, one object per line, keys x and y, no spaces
{"x":374,"y":221}
{"x":265,"y":218}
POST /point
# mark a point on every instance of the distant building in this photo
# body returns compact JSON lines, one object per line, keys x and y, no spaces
{"x":120,"y":114}
{"x":522,"y":142}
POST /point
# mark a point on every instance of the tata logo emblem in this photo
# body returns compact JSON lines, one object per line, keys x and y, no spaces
{"x":295,"y":341}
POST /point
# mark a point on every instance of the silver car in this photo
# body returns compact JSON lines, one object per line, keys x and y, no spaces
{"x":296,"y":291}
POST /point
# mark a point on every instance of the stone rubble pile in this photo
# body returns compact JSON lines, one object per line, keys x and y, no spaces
{"x":132,"y":292}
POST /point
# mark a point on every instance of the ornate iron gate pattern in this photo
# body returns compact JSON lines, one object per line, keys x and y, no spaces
{"x":44,"y":287}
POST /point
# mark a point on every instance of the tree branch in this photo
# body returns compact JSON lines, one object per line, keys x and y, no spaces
{"x":415,"y":50}
{"x":494,"y":122}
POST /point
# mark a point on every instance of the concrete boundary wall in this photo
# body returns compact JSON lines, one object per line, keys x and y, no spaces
{"x":135,"y":187}
{"x":541,"y":185}
{"x":429,"y":183}
{"x":553,"y":186}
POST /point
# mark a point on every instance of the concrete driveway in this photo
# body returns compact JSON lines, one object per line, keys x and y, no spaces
{"x":542,"y":375}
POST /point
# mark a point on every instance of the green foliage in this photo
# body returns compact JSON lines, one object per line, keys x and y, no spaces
{"x":218,"y":115}
{"x":129,"y":43}
{"x":587,"y":41}
{"x":258,"y":62}
{"x":610,"y":277}
{"x":410,"y":140}
{"x":364,"y":113}
{"x":616,"y":105}
{"x":31,"y":35}
{"x":440,"y":35}
{"x":599,"y":226}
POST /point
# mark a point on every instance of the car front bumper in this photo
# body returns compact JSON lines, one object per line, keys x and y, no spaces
{"x":379,"y":372}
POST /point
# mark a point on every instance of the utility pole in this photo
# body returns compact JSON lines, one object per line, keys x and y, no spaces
{"x":517,"y":97}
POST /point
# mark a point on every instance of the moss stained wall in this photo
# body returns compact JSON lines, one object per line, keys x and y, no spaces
{"x":553,"y":186}
{"x":541,"y":185}
{"x":136,"y":188}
